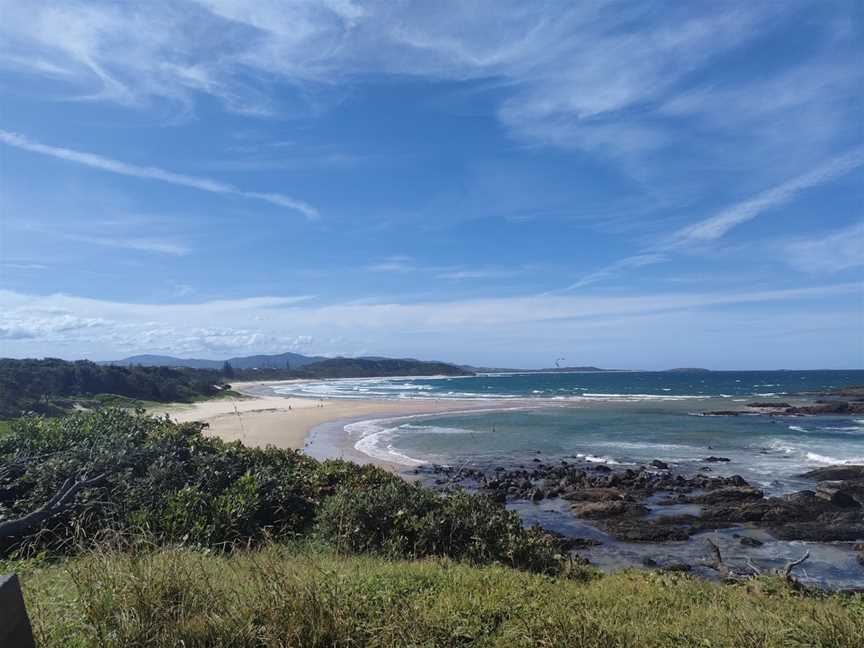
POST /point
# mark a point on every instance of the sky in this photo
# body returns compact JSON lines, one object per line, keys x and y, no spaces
{"x":503,"y":183}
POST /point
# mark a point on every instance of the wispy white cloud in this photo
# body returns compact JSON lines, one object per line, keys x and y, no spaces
{"x":393,"y":264}
{"x":406,"y":265}
{"x":600,"y":75}
{"x":142,"y":244}
{"x":721,"y":223}
{"x":465,"y":274}
{"x":24,"y":266}
{"x":152,"y":173}
{"x":838,"y":250}
{"x":180,"y":289}
{"x":614,"y":269}
{"x":717,"y":226}
{"x":49,"y":323}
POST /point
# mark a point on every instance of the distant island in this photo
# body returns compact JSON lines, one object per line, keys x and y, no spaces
{"x":293,"y":361}
{"x":544,"y":370}
{"x":688,"y":370}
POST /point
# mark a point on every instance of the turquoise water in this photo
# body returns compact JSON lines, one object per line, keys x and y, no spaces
{"x":770,"y":451}
{"x":619,"y":385}
{"x":626,"y":419}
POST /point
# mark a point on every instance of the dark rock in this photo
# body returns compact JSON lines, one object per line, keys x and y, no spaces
{"x":600,"y":510}
{"x":834,"y":473}
{"x":749,"y":541}
{"x":594,"y":495}
{"x":827,"y":407}
{"x":649,"y":562}
{"x":583,"y":543}
{"x":537,"y":494}
{"x":802,"y":497}
{"x":832,"y":529}
{"x":566,"y":543}
{"x":769,"y":405}
{"x":728,"y":494}
{"x":662,"y":465}
{"x":713,"y":459}
{"x":629,"y":530}
{"x":498,"y":496}
{"x":837,"y":493}
{"x":677,"y":567}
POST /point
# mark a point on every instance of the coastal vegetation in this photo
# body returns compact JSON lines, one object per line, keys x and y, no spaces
{"x":51,"y":386}
{"x":133,"y":530}
{"x":138,"y":475}
{"x":310,"y":597}
{"x":377,"y":367}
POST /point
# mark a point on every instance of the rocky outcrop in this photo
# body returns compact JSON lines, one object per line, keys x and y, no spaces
{"x":608,"y":509}
{"x":768,"y":405}
{"x":728,"y":494}
{"x":619,"y":501}
{"x":841,"y":493}
{"x":833,"y":473}
{"x":827,"y":407}
{"x":815,"y":408}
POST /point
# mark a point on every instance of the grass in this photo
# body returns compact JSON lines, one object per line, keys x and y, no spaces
{"x":5,"y":427}
{"x":113,"y":400}
{"x":278,"y":596}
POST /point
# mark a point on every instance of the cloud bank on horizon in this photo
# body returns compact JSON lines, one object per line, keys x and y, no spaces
{"x":627,"y":183}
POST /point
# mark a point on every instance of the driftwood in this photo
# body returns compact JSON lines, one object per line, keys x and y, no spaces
{"x":23,"y":526}
{"x":728,"y":574}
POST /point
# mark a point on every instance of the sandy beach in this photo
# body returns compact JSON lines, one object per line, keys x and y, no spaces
{"x":285,"y":422}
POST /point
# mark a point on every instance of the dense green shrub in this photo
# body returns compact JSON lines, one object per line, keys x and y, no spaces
{"x":50,"y":386}
{"x":404,"y":520}
{"x":160,"y":477}
{"x":168,"y":482}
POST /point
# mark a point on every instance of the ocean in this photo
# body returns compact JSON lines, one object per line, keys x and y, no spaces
{"x":623,"y":419}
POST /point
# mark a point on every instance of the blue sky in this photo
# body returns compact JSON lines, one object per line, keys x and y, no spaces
{"x":626,"y":184}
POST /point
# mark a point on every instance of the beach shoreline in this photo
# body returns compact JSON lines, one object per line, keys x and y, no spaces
{"x":292,"y":422}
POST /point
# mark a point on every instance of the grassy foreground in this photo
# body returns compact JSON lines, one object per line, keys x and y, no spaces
{"x":276,"y":596}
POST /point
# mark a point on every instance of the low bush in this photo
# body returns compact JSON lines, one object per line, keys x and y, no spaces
{"x":398,"y":519}
{"x":166,"y":481}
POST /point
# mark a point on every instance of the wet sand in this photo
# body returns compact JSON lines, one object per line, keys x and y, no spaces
{"x":285,"y":422}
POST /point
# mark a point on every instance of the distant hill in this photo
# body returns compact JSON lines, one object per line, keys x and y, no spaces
{"x":689,"y":370}
{"x":377,"y":367}
{"x":277,"y":361}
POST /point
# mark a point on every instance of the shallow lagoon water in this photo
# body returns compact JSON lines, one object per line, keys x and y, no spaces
{"x":648,"y":416}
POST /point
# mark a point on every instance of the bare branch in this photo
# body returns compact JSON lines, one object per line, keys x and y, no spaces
{"x":718,"y":565}
{"x":787,"y":571}
{"x":62,"y":498}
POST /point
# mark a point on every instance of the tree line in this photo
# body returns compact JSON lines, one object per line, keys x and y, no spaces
{"x":44,"y":385}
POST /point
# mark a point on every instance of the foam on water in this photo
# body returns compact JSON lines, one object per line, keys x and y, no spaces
{"x":376,"y":441}
{"x":824,"y":459}
{"x":606,"y":386}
